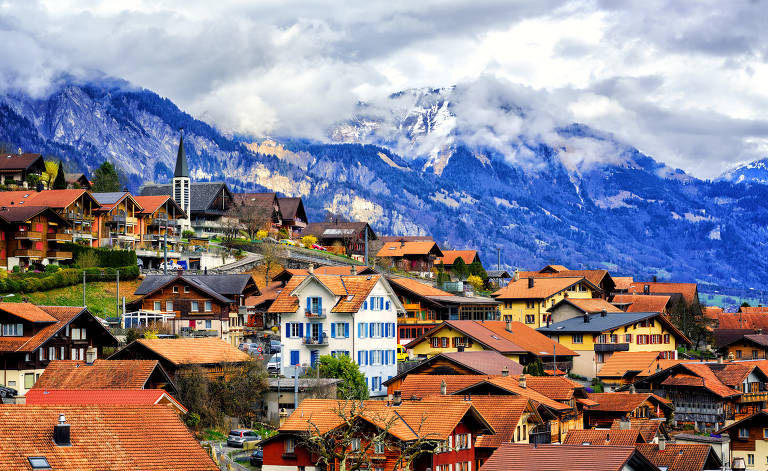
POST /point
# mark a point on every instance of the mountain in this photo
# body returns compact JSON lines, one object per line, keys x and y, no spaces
{"x":473,"y":168}
{"x":752,"y":172}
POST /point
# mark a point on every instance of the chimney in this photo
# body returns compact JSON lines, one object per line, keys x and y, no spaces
{"x":586,"y":318}
{"x":311,"y":269}
{"x":516,"y":275}
{"x":443,"y":388}
{"x":654,"y":278}
{"x":530,"y":282}
{"x":662,"y":443}
{"x":19,"y":151}
{"x":179,"y":272}
{"x":549,"y":319}
{"x":90,"y":356}
{"x":397,"y":398}
{"x":352,"y":270}
{"x":603,"y":313}
{"x":738,"y":464}
{"x":632,"y":389}
{"x":646,"y":289}
{"x":402,"y":243}
{"x":624,"y":423}
{"x":509,"y":324}
{"x":505,"y":371}
{"x":521,"y":381}
{"x":61,"y":432}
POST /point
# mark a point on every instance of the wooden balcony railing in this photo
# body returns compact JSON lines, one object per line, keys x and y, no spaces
{"x":59,"y":254}
{"x":59,"y":237}
{"x":28,"y":235}
{"x":28,"y":253}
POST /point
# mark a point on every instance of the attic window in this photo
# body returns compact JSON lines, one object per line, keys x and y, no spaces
{"x":39,"y":462}
{"x":392,"y":248}
{"x":494,"y":337}
{"x":27,"y":196}
{"x":350,"y":297}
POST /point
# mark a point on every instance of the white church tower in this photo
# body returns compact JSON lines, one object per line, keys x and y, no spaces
{"x":181,"y":184}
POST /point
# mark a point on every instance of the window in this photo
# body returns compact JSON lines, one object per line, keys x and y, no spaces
{"x":208,"y":306}
{"x":750,"y":459}
{"x":186,"y":289}
{"x":530,"y":304}
{"x":29,"y":380}
{"x":12,"y":330}
{"x":294,"y":329}
{"x":378,"y":448}
{"x":156,"y":306}
{"x":518,"y":434}
{"x":666,"y":338}
{"x":743,"y":432}
{"x":444,"y":342}
{"x":354,"y":444}
{"x":208,"y":324}
{"x":51,"y":353}
{"x":435,"y":342}
{"x":627,"y":338}
{"x":340,"y":330}
{"x":195,"y":306}
{"x":175,"y":289}
{"x":738,"y":354}
{"x":578,"y":338}
{"x":765,"y":433}
{"x":38,"y":462}
{"x":289,"y":446}
{"x":754,"y":354}
{"x":530,"y":318}
{"x":169,"y":306}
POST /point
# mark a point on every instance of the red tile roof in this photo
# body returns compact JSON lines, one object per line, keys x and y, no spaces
{"x":624,"y":401}
{"x":102,"y":374}
{"x":63,"y":316}
{"x":589,"y":305}
{"x":594,"y":276}
{"x":754,"y":309}
{"x":191,"y":351}
{"x":150,"y":204}
{"x":742,"y":320}
{"x":558,"y":388}
{"x":633,"y":364}
{"x":679,"y":457}
{"x":357,"y":286}
{"x":543,"y":288}
{"x":449,"y":256}
{"x":603,"y":437}
{"x":689,"y":291}
{"x":421,"y":289}
{"x":28,"y":312}
{"x":710,"y":380}
{"x":525,"y":457}
{"x":10,"y":162}
{"x":622,"y":282}
{"x":503,"y":413}
{"x":401,"y":249}
{"x":102,"y":397}
{"x":648,"y":428}
{"x":127,"y":437}
{"x":57,"y":199}
{"x":642,"y":303}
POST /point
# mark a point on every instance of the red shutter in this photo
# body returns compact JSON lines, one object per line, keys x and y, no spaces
{"x":666,"y":338}
{"x":38,"y":246}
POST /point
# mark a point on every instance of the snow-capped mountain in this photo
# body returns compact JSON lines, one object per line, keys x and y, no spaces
{"x":473,"y":168}
{"x":752,"y":172}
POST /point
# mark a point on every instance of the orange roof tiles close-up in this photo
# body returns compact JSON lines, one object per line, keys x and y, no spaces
{"x":590,"y":305}
{"x":129,"y":437}
{"x":102,"y":374}
{"x":102,"y":396}
{"x":352,"y":291}
{"x":62,"y":314}
{"x":594,"y":276}
{"x":503,"y":414}
{"x":421,"y":289}
{"x":680,"y":457}
{"x":648,"y":428}
{"x":542,"y":288}
{"x":27,"y":311}
{"x":622,"y":282}
{"x":688,"y":291}
{"x":624,"y":401}
{"x":449,"y":256}
{"x":191,"y":351}
{"x":629,"y":364}
{"x":525,"y":457}
{"x":603,"y":437}
{"x":642,"y":302}
{"x":405,"y":248}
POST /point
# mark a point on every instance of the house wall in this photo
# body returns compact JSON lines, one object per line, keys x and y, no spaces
{"x":746,"y":350}
{"x":276,"y":460}
{"x":756,"y":445}
{"x":32,"y":244}
{"x":517,"y":309}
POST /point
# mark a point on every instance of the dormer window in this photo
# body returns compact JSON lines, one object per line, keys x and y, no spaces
{"x":12,"y":330}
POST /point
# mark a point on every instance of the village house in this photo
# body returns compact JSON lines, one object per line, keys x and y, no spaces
{"x":77,"y":181}
{"x":450,"y":257}
{"x":101,"y":374}
{"x":514,"y":340}
{"x":526,"y":300}
{"x":603,"y":436}
{"x":687,"y":292}
{"x":446,"y":428}
{"x":117,"y":220}
{"x":426,"y":307}
{"x":412,"y":256}
{"x":32,"y":235}
{"x":160,"y":223}
{"x":680,"y":457}
{"x":621,"y":284}
{"x":749,"y":439}
{"x":600,"y":278}
{"x":293,"y":216}
{"x":625,"y":405}
{"x":194,"y":305}
{"x":32,"y":336}
{"x":523,"y":457}
{"x":595,"y":337}
{"x":261,"y":206}
{"x":15,"y":169}
{"x":746,"y":347}
{"x":642,"y":302}
{"x":624,"y":368}
{"x":352,"y":315}
{"x":212,"y":355}
{"x":351,"y":237}
{"x":569,"y":308}
{"x":95,"y":397}
{"x":124,"y":436}
{"x":652,"y":430}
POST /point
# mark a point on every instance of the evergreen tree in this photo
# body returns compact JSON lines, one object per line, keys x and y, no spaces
{"x":60,"y":183}
{"x":106,"y":179}
{"x":342,"y":367}
{"x":745,"y":304}
{"x":460,"y":269}
{"x":534,"y":368}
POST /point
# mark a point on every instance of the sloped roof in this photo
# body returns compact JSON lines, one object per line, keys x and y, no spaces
{"x":337,"y":230}
{"x":648,"y":428}
{"x":754,"y":309}
{"x":102,"y":374}
{"x":268,"y":293}
{"x":402,"y":249}
{"x":19,"y":214}
{"x":621,"y":364}
{"x":761,"y":416}
{"x":680,"y":457}
{"x":181,"y":169}
{"x":603,"y":437}
{"x":687,"y":290}
{"x":624,"y":401}
{"x":291,"y":208}
{"x":101,"y":396}
{"x":23,"y":161}
{"x":594,"y":276}
{"x":614,"y":320}
{"x":588,"y":305}
{"x":131,"y":437}
{"x":150,"y":204}
{"x":201,"y":194}
{"x":543,"y":288}
{"x":449,"y":256}
{"x":27,"y":311}
{"x":63,"y":316}
{"x":503,"y":413}
{"x":622,"y":282}
{"x":264,"y":201}
{"x":193,"y":351}
{"x":57,"y":199}
{"x":525,"y":457}
{"x":221,"y":287}
{"x":710,"y":379}
{"x":642,"y":303}
{"x":353,"y":290}
{"x":742,"y":320}
{"x":417,"y":287}
{"x":485,"y":362}
{"x":559,"y":388}
{"x":757,"y":339}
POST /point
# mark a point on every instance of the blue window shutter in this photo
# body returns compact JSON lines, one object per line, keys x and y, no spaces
{"x":365,"y":305}
{"x":387,"y":305}
{"x":294,"y":357}
{"x":309,"y":329}
{"x":366,"y":356}
{"x":287,"y":330}
{"x":333,"y":330}
{"x":360,"y":330}
{"x":394,"y":329}
{"x":371,"y":330}
{"x":366,"y":383}
{"x":359,"y":357}
{"x":301,"y":330}
{"x":320,"y":305}
{"x":346,"y":330}
{"x":309,"y":304}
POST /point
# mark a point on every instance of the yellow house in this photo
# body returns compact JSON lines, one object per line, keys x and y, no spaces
{"x":596,"y":336}
{"x":749,"y":439}
{"x":526,"y":300}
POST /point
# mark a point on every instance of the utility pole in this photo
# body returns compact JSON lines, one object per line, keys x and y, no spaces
{"x":365,"y":229}
{"x":498,"y":264}
{"x":165,"y":248}
{"x":84,"y":288}
{"x":117,"y":297}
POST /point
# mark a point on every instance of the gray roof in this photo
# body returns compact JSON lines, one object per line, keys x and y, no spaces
{"x":181,"y":161}
{"x":108,"y":198}
{"x":702,"y":438}
{"x":597,"y":323}
{"x":201,"y":194}
{"x":498,"y":274}
{"x":219,"y":286}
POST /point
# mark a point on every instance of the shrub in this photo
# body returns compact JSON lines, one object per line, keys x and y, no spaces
{"x":283,"y":233}
{"x":475,"y":281}
{"x":193,"y":420}
{"x":187,"y":234}
{"x":51,"y":268}
{"x":309,"y":241}
{"x":86,"y":259}
{"x":16,"y":269}
{"x":261,"y":234}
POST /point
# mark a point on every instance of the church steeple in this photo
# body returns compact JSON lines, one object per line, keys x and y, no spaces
{"x":181,"y":160}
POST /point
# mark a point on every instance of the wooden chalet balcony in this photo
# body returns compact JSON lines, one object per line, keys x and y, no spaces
{"x":59,"y":254}
{"x":28,"y":253}
{"x":163,"y":222}
{"x":760,"y":396}
{"x":59,"y":237}
{"x":28,"y":235}
{"x":415,"y":320}
{"x":412,"y":307}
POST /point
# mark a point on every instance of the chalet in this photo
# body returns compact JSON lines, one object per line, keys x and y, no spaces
{"x":285,"y":275}
{"x":63,"y":436}
{"x":642,"y":303}
{"x":514,"y":340}
{"x":78,"y":207}
{"x":569,"y":308}
{"x":526,"y":300}
{"x":600,"y":278}
{"x":417,"y":256}
{"x":117,"y":220}
{"x":160,"y":223}
{"x":621,"y":284}
{"x":749,"y":439}
{"x":104,"y":374}
{"x":117,"y":397}
{"x":173,"y":354}
{"x":595,"y":337}
{"x":32,"y":235}
{"x":352,"y":237}
{"x":264,"y":205}
{"x":746,"y":347}
{"x":32,"y":336}
{"x":426,"y":306}
{"x":688,"y":292}
{"x":459,"y":363}
{"x":498,"y":277}
{"x":293,"y":217}
{"x":680,"y":457}
{"x":358,"y":321}
{"x":194,"y":305}
{"x":77,"y":181}
{"x":448,"y":427}
{"x":624,"y":368}
{"x":209,"y":203}
{"x":450,"y":257}
{"x":256,"y":308}
{"x":15,"y":169}
{"x":522,"y":457}
{"x":622,"y":405}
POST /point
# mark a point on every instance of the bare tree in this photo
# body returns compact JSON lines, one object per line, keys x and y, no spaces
{"x":253,"y":217}
{"x":272,"y":256}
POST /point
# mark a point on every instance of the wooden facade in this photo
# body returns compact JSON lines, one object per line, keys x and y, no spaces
{"x":32,"y":236}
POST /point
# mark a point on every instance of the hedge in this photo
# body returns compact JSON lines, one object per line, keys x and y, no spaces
{"x":105,"y":257}
{"x":64,"y":277}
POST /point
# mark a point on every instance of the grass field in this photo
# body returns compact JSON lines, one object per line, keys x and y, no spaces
{"x":99,"y":296}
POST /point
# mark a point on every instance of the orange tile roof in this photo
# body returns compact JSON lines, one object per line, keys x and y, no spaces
{"x":529,"y":339}
{"x":711,"y":312}
{"x":553,"y":268}
{"x":642,"y":302}
{"x":624,"y":401}
{"x":525,"y":457}
{"x":622,"y":282}
{"x":191,"y":351}
{"x":558,"y":388}
{"x":429,"y":385}
{"x":589,"y":305}
{"x":733,"y":374}
{"x":357,"y":286}
{"x":710,"y":380}
{"x":648,"y":428}
{"x":422,"y":289}
{"x":633,"y":363}
{"x":543,"y":288}
{"x":754,"y":309}
{"x":101,"y":396}
{"x":594,"y":276}
{"x":687,"y":290}
{"x":62,"y":314}
{"x":268,"y":293}
{"x":603,"y":437}
{"x":150,"y":204}
{"x":56,"y":199}
{"x":503,"y":413}
{"x":102,"y":374}
{"x":284,"y":301}
{"x":417,"y":247}
{"x":130,"y":437}
{"x":449,"y":256}
{"x":742,"y":320}
{"x":511,"y":384}
{"x":679,"y":457}
{"x":27,"y":311}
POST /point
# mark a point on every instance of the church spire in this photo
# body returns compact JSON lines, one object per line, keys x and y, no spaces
{"x":181,"y":160}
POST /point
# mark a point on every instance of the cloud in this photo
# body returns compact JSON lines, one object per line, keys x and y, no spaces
{"x":681,"y":81}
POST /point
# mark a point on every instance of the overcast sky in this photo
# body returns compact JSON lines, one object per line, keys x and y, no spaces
{"x":687,"y":85}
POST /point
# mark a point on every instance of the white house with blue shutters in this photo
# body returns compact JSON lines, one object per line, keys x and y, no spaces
{"x":354,"y":315}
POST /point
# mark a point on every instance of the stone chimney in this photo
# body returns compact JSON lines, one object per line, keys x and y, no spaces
{"x":61,"y":432}
{"x":521,"y":381}
{"x":90,"y":355}
{"x":505,"y":371}
{"x":443,"y":388}
{"x":516,"y":275}
{"x":738,"y":464}
{"x":509,"y":324}
{"x":352,"y":270}
{"x":624,"y":423}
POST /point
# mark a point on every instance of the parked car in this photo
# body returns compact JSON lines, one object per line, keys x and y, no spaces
{"x":8,"y":392}
{"x":273,"y":365}
{"x":319,"y":247}
{"x":402,"y":353}
{"x":171,"y":266}
{"x":238,"y":437}
{"x":274,"y":346}
{"x":257,"y":457}
{"x":288,"y":242}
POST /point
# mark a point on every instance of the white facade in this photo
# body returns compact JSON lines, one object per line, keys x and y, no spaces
{"x":181,"y":196}
{"x":368,"y":337}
